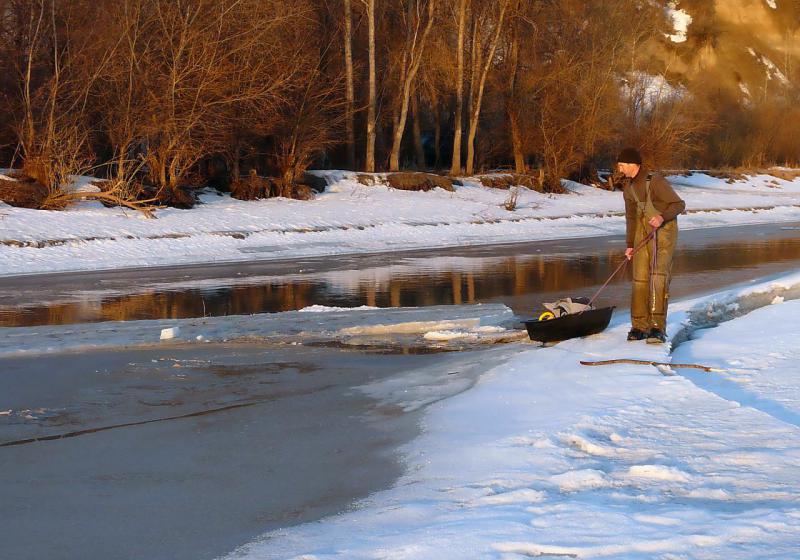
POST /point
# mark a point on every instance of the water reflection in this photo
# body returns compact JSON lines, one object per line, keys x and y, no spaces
{"x":520,"y":280}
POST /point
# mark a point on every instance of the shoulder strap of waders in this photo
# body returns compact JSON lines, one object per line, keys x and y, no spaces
{"x":646,"y":189}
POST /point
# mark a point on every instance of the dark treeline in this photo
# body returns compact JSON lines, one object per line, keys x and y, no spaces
{"x":174,"y":93}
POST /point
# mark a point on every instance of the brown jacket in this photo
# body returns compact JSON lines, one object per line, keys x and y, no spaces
{"x":664,"y":198}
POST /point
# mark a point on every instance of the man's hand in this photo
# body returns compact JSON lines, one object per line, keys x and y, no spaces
{"x":629,"y":253}
{"x":656,"y":221}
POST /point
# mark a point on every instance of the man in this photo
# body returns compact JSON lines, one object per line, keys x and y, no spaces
{"x":651,"y":211}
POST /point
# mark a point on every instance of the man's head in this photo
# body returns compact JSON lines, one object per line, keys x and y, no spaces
{"x":629,"y":162}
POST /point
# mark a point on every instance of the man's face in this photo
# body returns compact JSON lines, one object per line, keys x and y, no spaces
{"x":630,"y":170}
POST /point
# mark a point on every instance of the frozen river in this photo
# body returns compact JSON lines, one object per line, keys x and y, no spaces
{"x":186,"y":451}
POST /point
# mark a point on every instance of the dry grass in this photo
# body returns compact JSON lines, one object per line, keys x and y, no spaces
{"x":785,"y":174}
{"x":112,"y":194}
{"x":367,"y":179}
{"x":302,"y":192}
{"x":730,"y":176}
{"x":24,"y":192}
{"x":418,"y":181}
{"x":407,"y":181}
{"x":254,"y":187}
{"x":507,"y":180}
{"x":60,"y":200}
{"x":510,"y":203}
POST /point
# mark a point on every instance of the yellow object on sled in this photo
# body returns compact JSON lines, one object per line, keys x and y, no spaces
{"x":546,"y":316}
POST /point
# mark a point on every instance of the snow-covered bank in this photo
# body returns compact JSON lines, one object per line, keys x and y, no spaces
{"x":545,"y":457}
{"x":353,"y":218}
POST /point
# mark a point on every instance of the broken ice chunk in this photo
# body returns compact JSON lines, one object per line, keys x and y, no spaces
{"x":172,"y":332}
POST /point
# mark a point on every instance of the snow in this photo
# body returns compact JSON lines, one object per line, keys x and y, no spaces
{"x":761,"y":376}
{"x":651,"y":89}
{"x":330,"y":309}
{"x":412,"y":327}
{"x":544,"y":456}
{"x":770,"y":67}
{"x":352,"y":218}
{"x":471,"y":332}
{"x":537,"y":455}
{"x":745,"y":91}
{"x":681,"y":20}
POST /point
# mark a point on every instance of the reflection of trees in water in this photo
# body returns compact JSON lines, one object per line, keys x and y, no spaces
{"x":510,"y":276}
{"x":168,"y":305}
{"x":740,"y":254}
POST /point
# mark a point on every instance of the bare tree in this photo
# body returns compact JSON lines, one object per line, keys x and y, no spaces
{"x":414,"y":48}
{"x":349,"y":88}
{"x":369,"y":162}
{"x":482,"y":61}
{"x":667,"y":122}
{"x":41,"y":90}
{"x":512,"y":72}
{"x":51,"y":131}
{"x":455,"y":167}
{"x":663,"y":120}
{"x":436,"y":81}
{"x":121,"y":99}
{"x":189,"y":72}
{"x":311,"y":123}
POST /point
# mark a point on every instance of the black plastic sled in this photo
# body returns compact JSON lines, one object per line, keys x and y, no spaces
{"x":574,"y":325}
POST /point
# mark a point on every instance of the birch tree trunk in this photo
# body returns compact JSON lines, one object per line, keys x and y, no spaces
{"x":369,"y":163}
{"x":29,"y":136}
{"x":412,"y":58}
{"x":349,"y":89}
{"x":474,"y":62}
{"x":477,"y":97}
{"x":511,"y":103}
{"x":455,"y":167}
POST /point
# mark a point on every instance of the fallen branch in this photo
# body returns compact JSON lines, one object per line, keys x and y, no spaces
{"x":648,"y":363}
{"x":64,"y":198}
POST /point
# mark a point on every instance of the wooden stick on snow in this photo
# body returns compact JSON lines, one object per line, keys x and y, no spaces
{"x":648,"y":363}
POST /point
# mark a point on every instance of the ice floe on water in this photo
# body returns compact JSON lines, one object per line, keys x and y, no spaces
{"x":389,"y":328}
{"x":329,"y":309}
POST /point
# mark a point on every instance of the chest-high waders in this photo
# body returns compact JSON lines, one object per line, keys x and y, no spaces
{"x":652,"y":266}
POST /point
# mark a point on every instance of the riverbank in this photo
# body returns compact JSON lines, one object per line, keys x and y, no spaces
{"x":351,"y":218}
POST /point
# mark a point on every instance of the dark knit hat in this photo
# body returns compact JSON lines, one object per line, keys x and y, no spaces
{"x":630,"y":155}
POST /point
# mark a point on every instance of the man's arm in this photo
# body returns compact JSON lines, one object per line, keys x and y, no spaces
{"x":663,"y":192}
